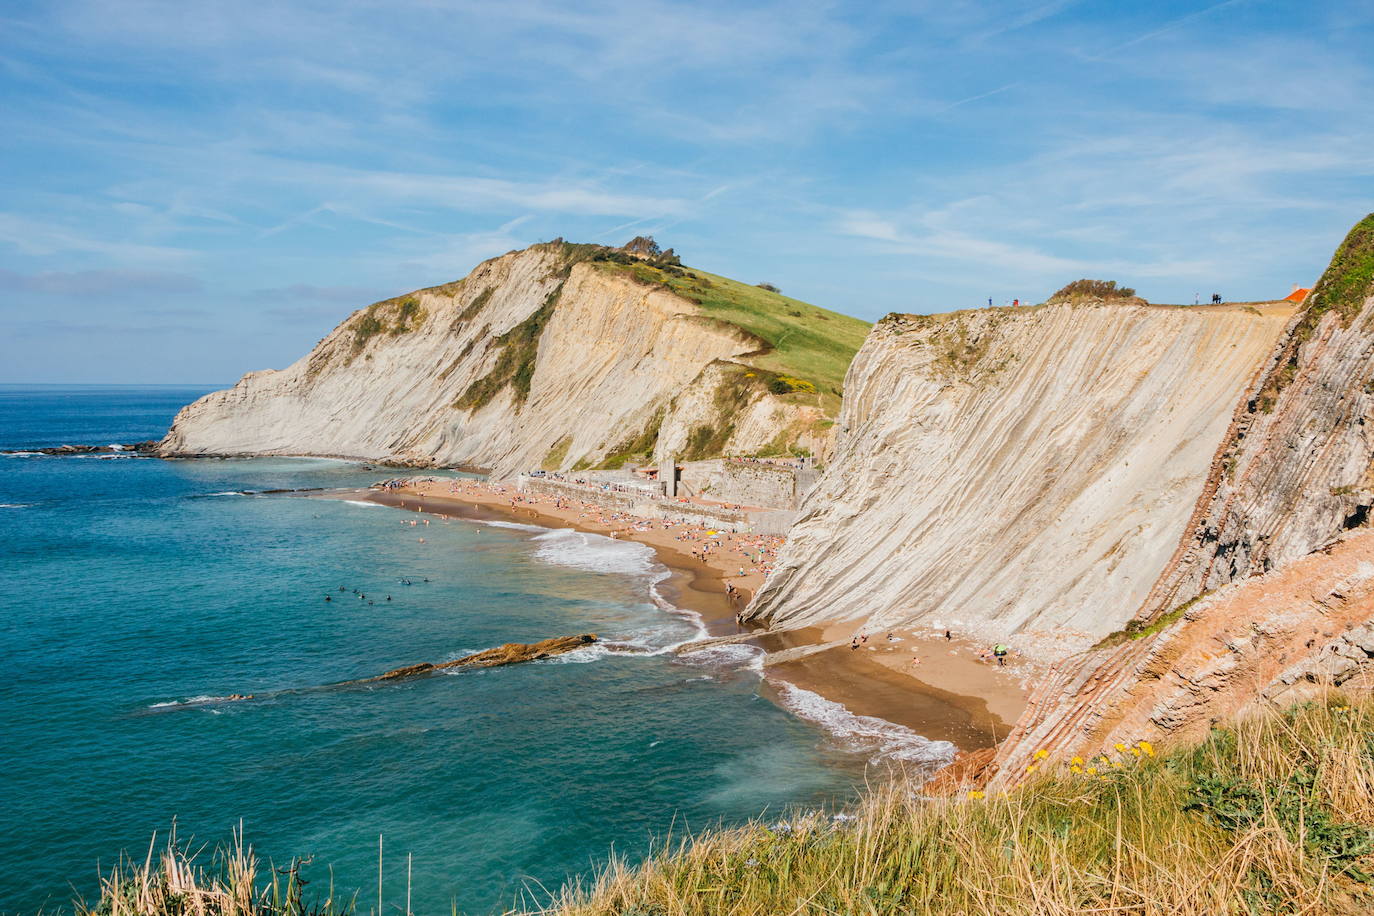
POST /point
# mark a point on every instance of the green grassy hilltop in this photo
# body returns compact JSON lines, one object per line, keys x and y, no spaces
{"x":805,"y":341}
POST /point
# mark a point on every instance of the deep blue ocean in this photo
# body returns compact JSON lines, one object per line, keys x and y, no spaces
{"x":129,"y":587}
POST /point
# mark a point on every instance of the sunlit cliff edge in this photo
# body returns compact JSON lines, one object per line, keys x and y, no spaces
{"x":559,"y":356}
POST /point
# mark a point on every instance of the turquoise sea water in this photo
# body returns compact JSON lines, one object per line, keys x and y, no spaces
{"x":131,"y":586}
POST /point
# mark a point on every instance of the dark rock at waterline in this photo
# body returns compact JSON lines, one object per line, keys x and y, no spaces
{"x":132,"y":448}
{"x":511,"y":653}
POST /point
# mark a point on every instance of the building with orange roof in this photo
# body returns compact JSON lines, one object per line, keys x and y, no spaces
{"x":1297,"y":295}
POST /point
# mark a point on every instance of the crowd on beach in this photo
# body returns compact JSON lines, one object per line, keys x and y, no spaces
{"x":737,"y":554}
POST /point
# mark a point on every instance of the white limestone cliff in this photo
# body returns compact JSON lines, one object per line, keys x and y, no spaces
{"x":1017,"y":473}
{"x":535,"y":359}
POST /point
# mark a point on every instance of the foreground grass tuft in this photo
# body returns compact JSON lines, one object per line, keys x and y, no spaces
{"x":1273,"y":815}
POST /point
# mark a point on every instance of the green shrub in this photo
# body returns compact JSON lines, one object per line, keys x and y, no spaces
{"x":515,"y":364}
{"x":1343,"y":288}
{"x":1092,"y":289}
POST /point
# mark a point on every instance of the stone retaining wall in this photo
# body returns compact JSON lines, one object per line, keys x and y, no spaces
{"x":747,"y":483}
{"x":640,"y":504}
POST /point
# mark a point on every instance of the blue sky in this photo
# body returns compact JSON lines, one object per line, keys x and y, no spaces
{"x":190,"y":190}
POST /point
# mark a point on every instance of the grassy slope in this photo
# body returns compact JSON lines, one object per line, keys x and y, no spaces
{"x":807,"y":342}
{"x":1275,"y":815}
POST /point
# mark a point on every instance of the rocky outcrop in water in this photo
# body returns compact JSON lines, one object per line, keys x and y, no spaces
{"x":132,"y":448}
{"x":546,"y":357}
{"x":511,"y":653}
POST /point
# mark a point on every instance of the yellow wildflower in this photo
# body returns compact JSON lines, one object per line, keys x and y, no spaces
{"x":1041,"y":754}
{"x":1136,"y":751}
{"x":1091,"y":771}
{"x":1077,"y":761}
{"x":1032,"y":768}
{"x":976,"y":794}
{"x":1120,"y":747}
{"x":1148,"y":748}
{"x":1075,"y":769}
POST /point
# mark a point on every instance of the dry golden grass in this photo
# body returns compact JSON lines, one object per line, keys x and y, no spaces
{"x":1272,"y":816}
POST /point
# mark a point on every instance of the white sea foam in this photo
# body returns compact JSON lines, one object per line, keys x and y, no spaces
{"x":595,"y":553}
{"x":875,"y":738}
{"x":16,"y":505}
{"x":582,"y":656}
{"x":691,"y":618}
{"x":364,"y":503}
{"x":515,"y":526}
{"x":189,"y":701}
{"x":228,"y":493}
{"x":736,"y":656}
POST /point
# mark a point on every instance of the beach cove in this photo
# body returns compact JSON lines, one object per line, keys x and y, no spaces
{"x":940,"y":689}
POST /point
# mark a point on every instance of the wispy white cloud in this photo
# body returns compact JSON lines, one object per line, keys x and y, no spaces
{"x":308,"y":146}
{"x":39,"y":237}
{"x":102,"y":283}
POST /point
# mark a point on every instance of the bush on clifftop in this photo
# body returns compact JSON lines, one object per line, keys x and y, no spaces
{"x":1104,"y":290}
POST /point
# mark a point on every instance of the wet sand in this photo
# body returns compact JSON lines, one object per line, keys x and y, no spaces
{"x":973,"y":706}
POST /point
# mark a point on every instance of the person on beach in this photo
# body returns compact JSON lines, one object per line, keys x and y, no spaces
{"x":999,"y":652}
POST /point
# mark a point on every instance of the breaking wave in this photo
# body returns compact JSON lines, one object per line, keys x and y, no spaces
{"x":595,"y":553}
{"x":515,"y":526}
{"x":877,"y":739}
{"x":189,"y":701}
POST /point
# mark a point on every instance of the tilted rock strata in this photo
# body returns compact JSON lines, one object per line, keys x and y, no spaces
{"x":1293,"y":474}
{"x":1295,"y":470}
{"x":1017,"y":474}
{"x":530,"y":361}
{"x":1273,"y":638}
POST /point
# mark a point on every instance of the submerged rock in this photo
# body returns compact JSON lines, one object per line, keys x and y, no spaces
{"x":509,"y":654}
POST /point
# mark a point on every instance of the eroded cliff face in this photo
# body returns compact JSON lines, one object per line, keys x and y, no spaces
{"x":1259,"y":596}
{"x":1017,"y":474}
{"x":1295,"y":469}
{"x":1276,"y":637}
{"x":536,"y":359}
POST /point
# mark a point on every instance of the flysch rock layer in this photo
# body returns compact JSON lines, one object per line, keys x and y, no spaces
{"x":1019,"y":475}
{"x":1292,"y":475}
{"x":1270,"y":639}
{"x":613,"y":358}
{"x":1295,"y":469}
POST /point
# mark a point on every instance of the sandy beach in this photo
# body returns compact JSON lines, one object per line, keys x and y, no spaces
{"x":950,"y":694}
